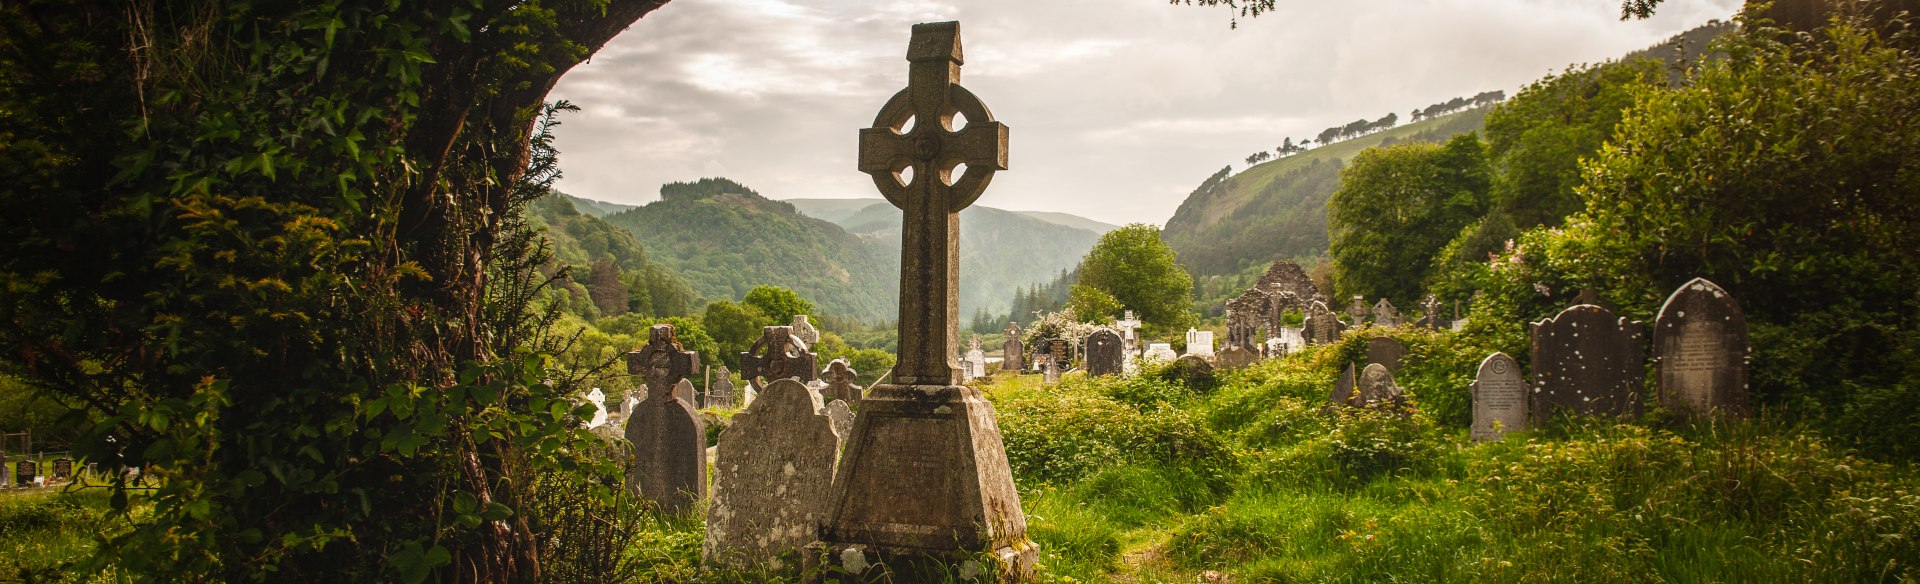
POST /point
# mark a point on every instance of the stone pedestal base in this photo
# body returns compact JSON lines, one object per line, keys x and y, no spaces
{"x":923,"y":488}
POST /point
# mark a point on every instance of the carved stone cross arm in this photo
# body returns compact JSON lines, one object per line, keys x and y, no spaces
{"x":662,"y":362}
{"x":933,"y":198}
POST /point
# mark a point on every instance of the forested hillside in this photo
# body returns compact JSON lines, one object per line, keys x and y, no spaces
{"x":724,"y":238}
{"x":609,"y":272}
{"x":1000,"y":251}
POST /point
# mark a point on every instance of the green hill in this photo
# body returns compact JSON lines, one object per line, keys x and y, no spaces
{"x":1000,"y":251}
{"x":580,"y":240}
{"x":1278,"y":209}
{"x":724,"y":238}
{"x":594,"y":208}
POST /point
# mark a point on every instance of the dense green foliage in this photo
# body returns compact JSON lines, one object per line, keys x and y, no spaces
{"x":1137,"y":271}
{"x":1398,"y":204}
{"x":595,"y":252}
{"x":1278,"y":209}
{"x":1536,"y":140}
{"x":724,"y":239}
{"x":281,"y":252}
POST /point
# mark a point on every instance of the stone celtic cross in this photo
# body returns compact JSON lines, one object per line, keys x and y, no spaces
{"x":778,"y":354}
{"x":933,"y":198}
{"x":662,"y":363}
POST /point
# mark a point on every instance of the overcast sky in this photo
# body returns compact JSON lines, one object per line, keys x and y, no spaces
{"x":1117,"y":109}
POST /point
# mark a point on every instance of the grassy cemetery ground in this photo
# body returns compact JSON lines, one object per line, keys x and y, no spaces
{"x":43,"y":528}
{"x":1149,"y":480}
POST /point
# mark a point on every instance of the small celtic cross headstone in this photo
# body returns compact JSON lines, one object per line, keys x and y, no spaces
{"x":1010,"y":352}
{"x":932,"y":200}
{"x":777,"y":355}
{"x":669,"y":444}
{"x":839,"y":377}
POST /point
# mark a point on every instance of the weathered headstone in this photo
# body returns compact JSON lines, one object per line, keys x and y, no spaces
{"x":1700,"y":347}
{"x":62,"y":469}
{"x":1232,"y":358}
{"x":1587,"y":361}
{"x":1129,"y":333}
{"x":1344,"y":387}
{"x":669,"y":444}
{"x":1105,"y":353}
{"x":773,"y":478}
{"x":1376,"y":389}
{"x":1386,"y":351}
{"x":1199,"y":342}
{"x":925,"y":478}
{"x":804,"y":330}
{"x":1321,"y":326}
{"x":1385,"y":315}
{"x":1161,"y":352}
{"x":1358,"y":311}
{"x":720,"y":392}
{"x":1430,"y":318}
{"x":1050,"y":372}
{"x":684,"y":390}
{"x":776,"y":355}
{"x":1011,"y":352}
{"x":842,"y":415}
{"x":976,"y":358}
{"x":840,"y":377}
{"x":1194,"y":371}
{"x":1499,"y":398}
{"x":599,"y":400}
{"x":24,"y":472}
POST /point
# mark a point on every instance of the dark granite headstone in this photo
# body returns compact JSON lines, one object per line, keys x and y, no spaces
{"x":1105,"y":353}
{"x":24,"y":471}
{"x":772,"y":479}
{"x":1386,"y":351}
{"x":1343,"y":388}
{"x":1011,"y":352}
{"x":1499,"y":398}
{"x":1194,"y":371}
{"x":1587,"y":361}
{"x":1700,"y":346}
{"x":669,"y":444}
{"x":62,"y":469}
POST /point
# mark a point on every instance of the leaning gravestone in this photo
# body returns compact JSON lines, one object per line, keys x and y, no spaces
{"x":1105,"y":353}
{"x":1499,"y":398}
{"x":778,"y":354}
{"x":24,"y":471}
{"x":925,"y":482}
{"x":1700,"y":347}
{"x":772,"y":479}
{"x":1343,"y":388}
{"x":1386,"y":351}
{"x":669,"y":444}
{"x":1234,"y":357}
{"x":840,"y":376}
{"x":1010,"y":352}
{"x":1587,"y":361}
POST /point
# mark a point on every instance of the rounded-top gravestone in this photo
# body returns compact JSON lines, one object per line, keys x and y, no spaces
{"x":1700,"y":346}
{"x":1499,"y":398}
{"x":1105,"y":353}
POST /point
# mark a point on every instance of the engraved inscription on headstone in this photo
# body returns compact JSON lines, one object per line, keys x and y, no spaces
{"x":62,"y":468}
{"x":24,"y":471}
{"x":773,"y":474}
{"x":1499,"y":398}
{"x":1700,"y":346}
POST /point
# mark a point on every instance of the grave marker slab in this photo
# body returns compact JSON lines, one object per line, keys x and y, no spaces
{"x":1587,"y":361}
{"x":1199,"y":342}
{"x":1386,"y":351}
{"x":1385,"y":315}
{"x":1232,"y":358}
{"x":1105,"y":353}
{"x":669,"y":444}
{"x":773,"y":478}
{"x":840,"y":377}
{"x":1700,"y":347}
{"x":1321,"y":326}
{"x":24,"y":472}
{"x":1499,"y":398}
{"x":720,"y":392}
{"x":1344,"y":388}
{"x":1161,"y":352}
{"x":1011,"y":352}
{"x":1376,"y":389}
